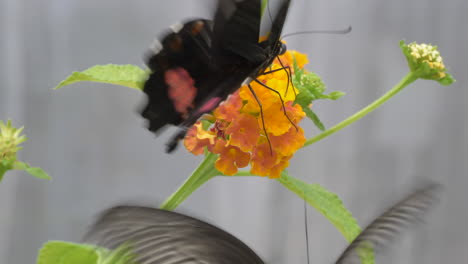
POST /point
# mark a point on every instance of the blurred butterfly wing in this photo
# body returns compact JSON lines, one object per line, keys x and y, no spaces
{"x":386,"y":228}
{"x":236,"y":31}
{"x":278,"y":22}
{"x":163,"y":237}
{"x":189,"y":49}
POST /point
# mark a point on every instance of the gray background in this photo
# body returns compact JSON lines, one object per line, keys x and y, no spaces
{"x":91,"y":140}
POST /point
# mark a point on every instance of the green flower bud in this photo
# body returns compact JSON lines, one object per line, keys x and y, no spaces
{"x":10,"y":139}
{"x":425,"y":61}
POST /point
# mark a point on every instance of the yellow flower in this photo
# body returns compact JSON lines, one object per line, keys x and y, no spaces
{"x":425,"y":61}
{"x":238,"y":135}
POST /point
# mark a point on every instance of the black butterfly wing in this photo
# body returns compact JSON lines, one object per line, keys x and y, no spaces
{"x":218,"y":61}
{"x":234,"y":46}
{"x":236,"y":31}
{"x":163,"y":237}
{"x":386,"y":228}
{"x":237,"y":35}
{"x":278,"y":22}
{"x":234,"y":23}
{"x":188,"y":50}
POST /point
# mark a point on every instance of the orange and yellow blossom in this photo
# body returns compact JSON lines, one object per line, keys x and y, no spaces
{"x":237,"y":133}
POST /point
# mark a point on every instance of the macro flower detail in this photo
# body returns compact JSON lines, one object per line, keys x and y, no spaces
{"x":10,"y":139}
{"x":241,"y":137}
{"x":426,"y":62}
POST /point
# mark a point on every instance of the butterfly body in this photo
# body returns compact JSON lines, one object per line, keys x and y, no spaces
{"x":202,"y":63}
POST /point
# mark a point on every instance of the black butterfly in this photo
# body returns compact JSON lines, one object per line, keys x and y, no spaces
{"x":201,"y":62}
{"x":162,"y":237}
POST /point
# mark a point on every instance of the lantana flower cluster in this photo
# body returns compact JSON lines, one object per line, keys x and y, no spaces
{"x":236,"y":130}
{"x":425,"y":61}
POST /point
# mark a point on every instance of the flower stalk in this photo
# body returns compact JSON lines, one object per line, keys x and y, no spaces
{"x":407,"y":80}
{"x":424,"y":62}
{"x":200,"y":175}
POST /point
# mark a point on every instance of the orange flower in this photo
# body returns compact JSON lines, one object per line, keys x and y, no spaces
{"x":287,"y":59}
{"x":244,"y":132}
{"x":230,"y":158}
{"x":229,"y":109}
{"x":197,"y":138}
{"x":238,"y":135}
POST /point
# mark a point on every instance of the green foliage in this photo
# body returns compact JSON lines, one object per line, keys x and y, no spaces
{"x":330,"y":206}
{"x":10,"y":140}
{"x":326,"y":202}
{"x":61,"y":252}
{"x":33,"y":171}
{"x":126,"y":75}
{"x":311,"y":88}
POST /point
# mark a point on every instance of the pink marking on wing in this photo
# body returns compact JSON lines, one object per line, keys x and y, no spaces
{"x":210,"y":105}
{"x":181,"y":90}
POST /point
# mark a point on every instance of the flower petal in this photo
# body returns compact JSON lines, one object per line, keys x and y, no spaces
{"x":244,"y":132}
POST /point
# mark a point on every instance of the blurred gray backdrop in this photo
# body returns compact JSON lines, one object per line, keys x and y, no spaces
{"x":93,"y":143}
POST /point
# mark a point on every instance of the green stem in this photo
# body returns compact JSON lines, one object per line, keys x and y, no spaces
{"x":200,"y":175}
{"x":409,"y":78}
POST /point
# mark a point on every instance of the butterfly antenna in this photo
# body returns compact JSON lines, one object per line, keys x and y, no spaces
{"x":306,"y":232}
{"x":339,"y":31}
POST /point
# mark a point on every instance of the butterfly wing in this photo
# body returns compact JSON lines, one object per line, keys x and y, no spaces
{"x":236,"y":32}
{"x":234,"y":47}
{"x":386,"y":228}
{"x":163,"y":237}
{"x":208,"y":67}
{"x":171,"y":89}
{"x":278,"y":23}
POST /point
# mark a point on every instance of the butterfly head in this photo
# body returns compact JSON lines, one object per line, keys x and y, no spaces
{"x":282,"y":49}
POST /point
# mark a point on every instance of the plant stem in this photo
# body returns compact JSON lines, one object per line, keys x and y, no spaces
{"x":200,"y":175}
{"x":408,"y":79}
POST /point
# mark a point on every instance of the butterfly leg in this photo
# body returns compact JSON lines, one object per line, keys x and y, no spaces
{"x":261,"y":115}
{"x":272,"y":71}
{"x":282,"y":102}
{"x":289,"y":73}
{"x":288,"y":70}
{"x":172,"y":144}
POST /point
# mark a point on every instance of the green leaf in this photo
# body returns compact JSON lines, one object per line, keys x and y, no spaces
{"x":33,"y":171}
{"x":61,"y":252}
{"x":311,"y":88}
{"x":447,"y":80}
{"x":330,"y":206}
{"x":3,"y":170}
{"x":5,"y":165}
{"x":326,"y":202}
{"x":336,"y":95}
{"x":126,"y":75}
{"x":121,"y":255}
{"x":310,"y":114}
